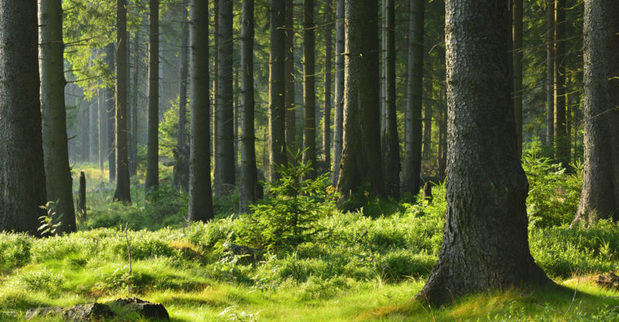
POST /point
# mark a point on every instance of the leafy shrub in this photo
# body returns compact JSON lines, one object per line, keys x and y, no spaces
{"x":15,"y":250}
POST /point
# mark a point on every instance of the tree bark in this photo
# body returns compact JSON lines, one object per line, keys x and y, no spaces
{"x":277,"y":77}
{"x":181,"y":166}
{"x":55,"y":147}
{"x":152,"y":149}
{"x":485,"y":246}
{"x":561,"y":140}
{"x":200,"y":198}
{"x":390,"y":141}
{"x":550,"y":72}
{"x":289,"y":95}
{"x":133,"y":153}
{"x":338,"y":134}
{"x":428,"y":104}
{"x":123,"y":189}
{"x":110,"y":109}
{"x":247,"y":188}
{"x":598,"y":197}
{"x":326,"y":133}
{"x":517,"y":66}
{"x":83,"y":120}
{"x":224,"y":165}
{"x":411,"y":180}
{"x":81,"y":200}
{"x":22,"y":174}
{"x":101,"y":127}
{"x":309,"y":88}
{"x":361,"y":156}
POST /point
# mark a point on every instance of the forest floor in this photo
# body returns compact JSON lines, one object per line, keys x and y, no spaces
{"x":361,"y":265}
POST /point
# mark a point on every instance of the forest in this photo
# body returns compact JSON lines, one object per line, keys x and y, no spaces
{"x":309,"y":160}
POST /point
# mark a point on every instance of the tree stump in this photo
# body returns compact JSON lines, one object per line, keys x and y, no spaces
{"x":427,"y":191}
{"x":81,"y":198}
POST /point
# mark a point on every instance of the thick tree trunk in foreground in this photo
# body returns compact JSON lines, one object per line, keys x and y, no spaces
{"x":224,"y":165}
{"x":601,"y":46}
{"x":277,"y":77}
{"x":55,"y":148}
{"x":181,"y":165}
{"x":248,"y":180}
{"x":22,"y":174}
{"x":485,"y":245}
{"x":123,"y":189}
{"x":291,"y":143}
{"x":411,"y":169}
{"x":390,"y":141}
{"x":326,"y":132}
{"x":152,"y":148}
{"x":338,"y":132}
{"x":309,"y":88}
{"x":361,"y":158}
{"x":200,"y":198}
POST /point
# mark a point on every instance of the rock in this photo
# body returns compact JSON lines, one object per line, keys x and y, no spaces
{"x":81,"y":312}
{"x":148,"y":310}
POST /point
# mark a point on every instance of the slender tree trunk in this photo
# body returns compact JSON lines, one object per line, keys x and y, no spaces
{"x":133,"y":166}
{"x":339,"y":89}
{"x":55,"y":147}
{"x":181,"y":167}
{"x":361,"y":157}
{"x":110,"y":108}
{"x":200,"y":198}
{"x":517,"y":68}
{"x":247,"y":188}
{"x":289,"y":95}
{"x":390,"y":141}
{"x":485,"y":245}
{"x":428,"y":104}
{"x":123,"y":189}
{"x":22,"y":174}
{"x":442,"y":142}
{"x":411,"y":181}
{"x":309,"y":87}
{"x":550,"y":72}
{"x":277,"y":78}
{"x":101,"y":127}
{"x":601,"y":45}
{"x":326,"y":133}
{"x":224,"y":166}
{"x":152,"y":149}
{"x":84,"y":135}
{"x":561,"y":141}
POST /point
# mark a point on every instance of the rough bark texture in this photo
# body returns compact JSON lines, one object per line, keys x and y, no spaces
{"x":289,"y":95}
{"x":411,"y":169}
{"x":550,"y":72}
{"x":248,"y":180}
{"x":277,"y":78}
{"x":152,"y":147}
{"x":224,"y":165}
{"x":338,"y":133}
{"x":181,"y":165}
{"x":561,"y":140}
{"x":517,"y":66}
{"x":601,"y":43}
{"x":485,"y":246}
{"x":55,"y":147}
{"x":22,"y":174}
{"x":326,"y":132}
{"x":309,"y":87}
{"x":122,"y":191}
{"x":361,"y":156}
{"x":390,"y":141}
{"x":200,"y":198}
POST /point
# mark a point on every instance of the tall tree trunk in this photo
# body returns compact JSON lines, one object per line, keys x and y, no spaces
{"x":289,"y":95}
{"x":181,"y":166}
{"x":485,"y":245}
{"x":561,"y":141}
{"x":101,"y":127}
{"x":277,"y":78}
{"x":361,"y":158}
{"x":224,"y":166}
{"x":550,"y":72}
{"x":247,"y":188}
{"x":390,"y":140}
{"x":84,"y":135}
{"x":428,"y":104}
{"x":122,"y":192}
{"x":133,"y":153}
{"x":517,"y":68}
{"x":442,"y":141}
{"x":55,"y":144}
{"x":326,"y":133}
{"x":601,"y":45}
{"x":200,"y":198}
{"x":411,"y":180}
{"x":309,"y":87}
{"x":110,"y":109}
{"x":152,"y":148}
{"x":338,"y":134}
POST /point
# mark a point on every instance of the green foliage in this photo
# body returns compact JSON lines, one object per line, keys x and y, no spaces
{"x":168,"y":131}
{"x":553,"y":193}
{"x":50,"y":221}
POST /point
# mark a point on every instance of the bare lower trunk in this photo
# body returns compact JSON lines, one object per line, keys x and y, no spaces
{"x":561,"y":140}
{"x":181,"y":165}
{"x":277,"y":77}
{"x":326,"y":133}
{"x":152,"y":148}
{"x":550,"y":72}
{"x":291,"y":142}
{"x":339,"y":90}
{"x":309,"y":88}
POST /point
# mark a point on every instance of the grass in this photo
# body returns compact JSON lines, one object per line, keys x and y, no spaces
{"x":358,"y":267}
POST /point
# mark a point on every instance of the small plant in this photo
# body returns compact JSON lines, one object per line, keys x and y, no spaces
{"x":50,"y":221}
